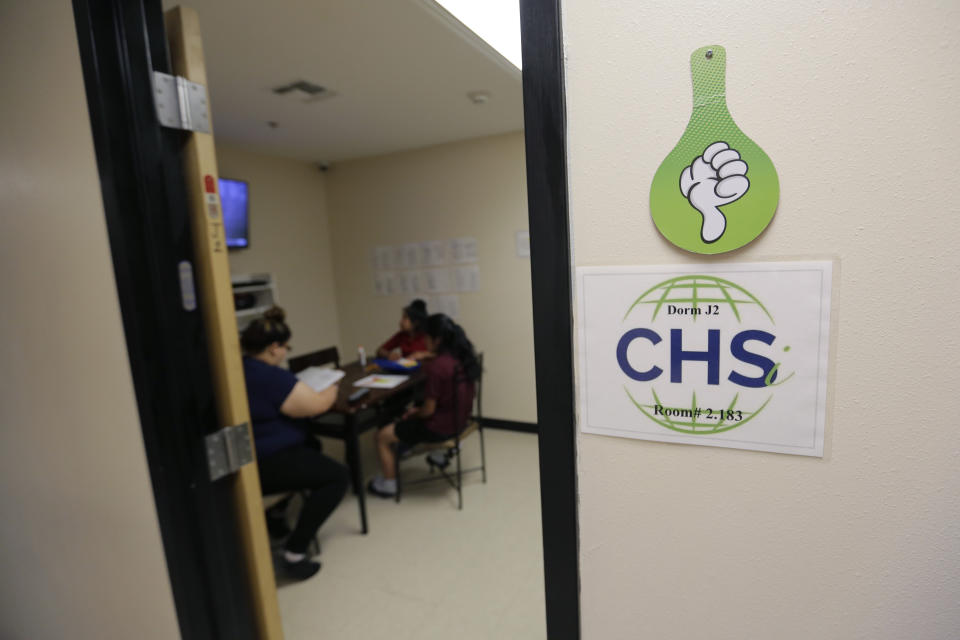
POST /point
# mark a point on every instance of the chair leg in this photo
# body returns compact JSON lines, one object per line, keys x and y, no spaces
{"x":396,"y":469}
{"x":483,"y":457}
{"x":353,"y":462}
{"x":459,"y":478}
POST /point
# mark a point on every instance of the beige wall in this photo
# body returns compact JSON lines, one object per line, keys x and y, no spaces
{"x":856,"y":105}
{"x":80,"y":550}
{"x":290,"y":238}
{"x":475,"y":188}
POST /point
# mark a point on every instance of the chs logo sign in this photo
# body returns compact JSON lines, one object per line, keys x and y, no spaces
{"x":727,"y":356}
{"x":747,"y":353}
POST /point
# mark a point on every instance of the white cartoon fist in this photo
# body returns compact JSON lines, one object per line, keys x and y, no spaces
{"x":716,"y":178}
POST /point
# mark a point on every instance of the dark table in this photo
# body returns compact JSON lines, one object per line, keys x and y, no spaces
{"x":347,"y":420}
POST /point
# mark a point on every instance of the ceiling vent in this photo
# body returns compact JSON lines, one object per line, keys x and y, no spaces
{"x":306,"y":91}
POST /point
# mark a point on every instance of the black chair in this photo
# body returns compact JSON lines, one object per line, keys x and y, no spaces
{"x":330,"y":355}
{"x":451,"y":447}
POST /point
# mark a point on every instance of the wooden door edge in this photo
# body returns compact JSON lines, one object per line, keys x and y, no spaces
{"x":212,"y":270}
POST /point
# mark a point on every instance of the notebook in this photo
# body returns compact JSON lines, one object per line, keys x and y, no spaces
{"x":319,"y":378}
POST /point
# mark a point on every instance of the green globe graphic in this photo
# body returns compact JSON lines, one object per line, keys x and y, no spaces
{"x":706,"y":296}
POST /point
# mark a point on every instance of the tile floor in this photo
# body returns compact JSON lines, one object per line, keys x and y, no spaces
{"x":426,"y":570}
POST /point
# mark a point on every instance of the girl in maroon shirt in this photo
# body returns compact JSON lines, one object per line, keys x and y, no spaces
{"x":454,"y":370}
{"x":410,"y":341}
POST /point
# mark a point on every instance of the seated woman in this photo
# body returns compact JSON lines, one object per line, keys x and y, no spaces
{"x":288,"y":457}
{"x":455,"y":365}
{"x":409,"y":341}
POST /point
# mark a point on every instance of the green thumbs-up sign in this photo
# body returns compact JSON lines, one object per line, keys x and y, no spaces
{"x":717,"y":190}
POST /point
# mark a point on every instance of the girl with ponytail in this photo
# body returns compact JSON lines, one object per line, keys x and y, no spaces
{"x":410,"y":341}
{"x":454,"y":370}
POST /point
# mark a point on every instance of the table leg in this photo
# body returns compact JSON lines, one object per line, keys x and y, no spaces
{"x":356,"y":470}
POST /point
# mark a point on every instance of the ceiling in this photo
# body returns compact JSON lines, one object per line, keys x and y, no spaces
{"x":401,"y":71}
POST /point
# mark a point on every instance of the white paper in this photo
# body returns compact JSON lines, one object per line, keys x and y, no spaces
{"x":447,"y":304}
{"x":523,"y":244}
{"x":381,"y":381}
{"x":381,"y":258}
{"x":433,"y":253}
{"x":467,"y":278}
{"x":410,"y":282}
{"x":436,"y":280}
{"x":386,"y":283}
{"x":380,"y":284}
{"x":411,"y":255}
{"x":425,"y":254}
{"x":319,"y":378}
{"x":463,"y":250}
{"x":724,"y":354}
{"x":392,"y":283}
{"x":397,"y":257}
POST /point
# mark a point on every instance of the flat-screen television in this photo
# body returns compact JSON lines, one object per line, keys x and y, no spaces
{"x":235,"y":203}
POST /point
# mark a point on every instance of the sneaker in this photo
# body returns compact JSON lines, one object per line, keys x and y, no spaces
{"x":300,"y":570}
{"x":377,"y":490}
{"x":439,"y":459}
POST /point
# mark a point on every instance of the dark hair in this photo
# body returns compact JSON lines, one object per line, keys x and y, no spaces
{"x":450,"y":338}
{"x":263,"y":332}
{"x":417,"y":312}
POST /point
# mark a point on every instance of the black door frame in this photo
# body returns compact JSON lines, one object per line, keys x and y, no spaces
{"x":545,"y":129}
{"x":121,"y":42}
{"x":144,"y":196}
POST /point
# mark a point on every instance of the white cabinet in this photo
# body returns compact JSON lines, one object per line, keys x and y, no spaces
{"x":252,"y":295}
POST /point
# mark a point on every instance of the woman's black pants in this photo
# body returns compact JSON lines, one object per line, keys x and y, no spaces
{"x":299,"y":468}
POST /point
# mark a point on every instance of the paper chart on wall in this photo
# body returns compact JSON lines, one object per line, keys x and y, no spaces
{"x":463,"y":250}
{"x":436,"y":280}
{"x":433,"y":253}
{"x":411,"y":255}
{"x":447,"y":304}
{"x":386,"y":283}
{"x":397,"y":257}
{"x":409,"y":282}
{"x":393,"y":267}
{"x":381,"y":258}
{"x":467,"y":278}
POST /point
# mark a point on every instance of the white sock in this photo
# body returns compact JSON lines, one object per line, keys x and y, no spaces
{"x":290,"y":556}
{"x":386,"y":485}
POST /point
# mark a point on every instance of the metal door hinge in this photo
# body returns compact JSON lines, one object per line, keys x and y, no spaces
{"x":180,"y":104}
{"x":228,"y":450}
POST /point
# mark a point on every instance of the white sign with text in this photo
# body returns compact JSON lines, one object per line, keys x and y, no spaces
{"x":726,"y":355}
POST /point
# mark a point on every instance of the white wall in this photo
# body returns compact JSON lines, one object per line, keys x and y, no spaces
{"x":80,"y":550}
{"x":856,"y":105}
{"x":474,"y":188}
{"x":290,"y":238}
